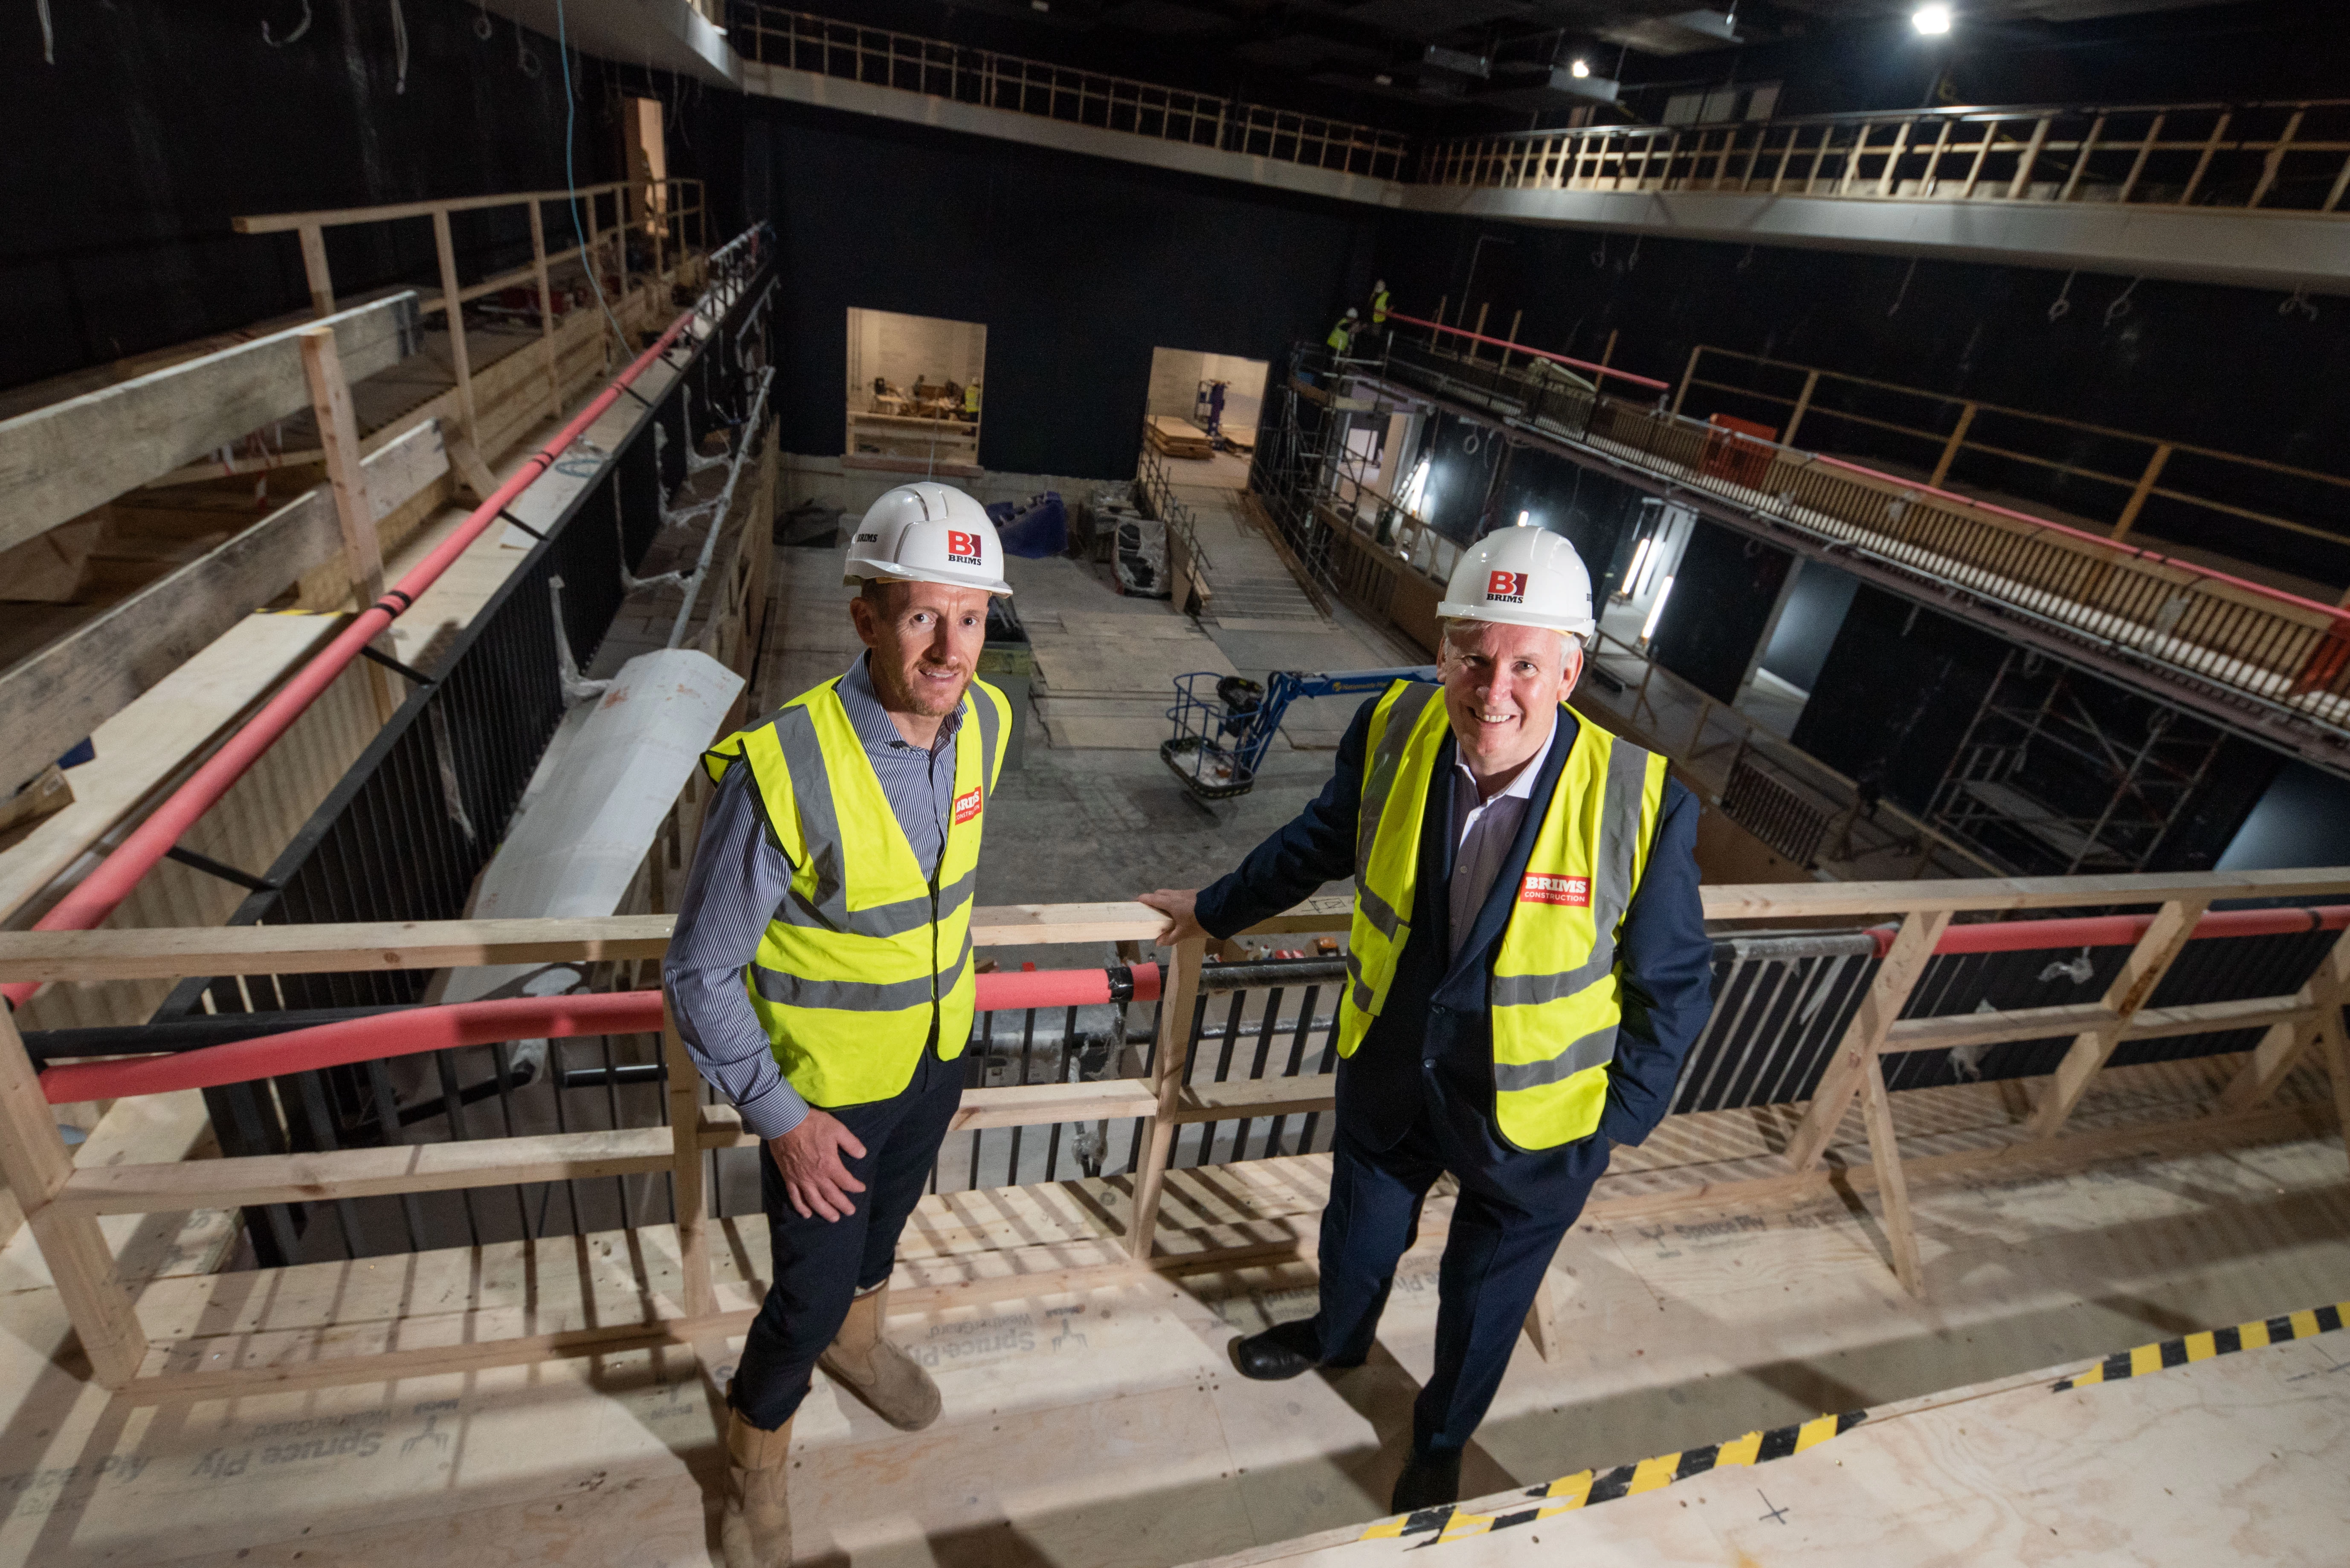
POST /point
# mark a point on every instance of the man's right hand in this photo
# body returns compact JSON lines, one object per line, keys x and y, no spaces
{"x":1177,"y":904}
{"x":809,"y":1158}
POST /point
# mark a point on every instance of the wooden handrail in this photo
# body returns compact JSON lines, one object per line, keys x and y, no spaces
{"x":180,"y":952}
{"x":63,"y":1202}
{"x":341,"y":217}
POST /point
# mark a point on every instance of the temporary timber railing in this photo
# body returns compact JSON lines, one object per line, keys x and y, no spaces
{"x":2255,"y":659}
{"x":2180,"y":481}
{"x":668,"y":218}
{"x":798,"y":41}
{"x":1830,"y":1022}
{"x":2282,"y":157}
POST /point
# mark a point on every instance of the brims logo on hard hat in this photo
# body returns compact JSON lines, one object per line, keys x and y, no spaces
{"x":1505,"y":588}
{"x":963,"y":549}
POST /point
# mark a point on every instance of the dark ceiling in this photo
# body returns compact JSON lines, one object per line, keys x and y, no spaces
{"x":1422,"y":65}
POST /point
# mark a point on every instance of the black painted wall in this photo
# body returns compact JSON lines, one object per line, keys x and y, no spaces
{"x":1723,"y":590}
{"x":160,"y":122}
{"x":1078,"y":266}
{"x":1895,"y":694}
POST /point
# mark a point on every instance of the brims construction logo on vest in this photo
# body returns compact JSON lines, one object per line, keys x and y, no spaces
{"x":1575,"y":892}
{"x":966,"y":806}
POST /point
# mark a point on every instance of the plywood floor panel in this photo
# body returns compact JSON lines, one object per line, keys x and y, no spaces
{"x":1103,"y":1425}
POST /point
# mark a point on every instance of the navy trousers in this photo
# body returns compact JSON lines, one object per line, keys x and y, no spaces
{"x":1495,"y":1253}
{"x":819,"y":1264}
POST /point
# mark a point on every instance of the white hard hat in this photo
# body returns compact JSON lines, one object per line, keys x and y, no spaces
{"x":928,"y":534}
{"x":1352,"y":313}
{"x":1523,"y":577}
{"x":1381,"y":286}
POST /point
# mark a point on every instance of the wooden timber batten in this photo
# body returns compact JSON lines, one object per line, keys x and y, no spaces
{"x":1124,"y":1231}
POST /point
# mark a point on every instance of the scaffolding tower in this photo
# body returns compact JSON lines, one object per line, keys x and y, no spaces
{"x":2048,"y":781}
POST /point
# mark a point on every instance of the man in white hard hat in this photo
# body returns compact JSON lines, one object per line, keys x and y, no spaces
{"x":821,"y":973}
{"x":1527,"y":967}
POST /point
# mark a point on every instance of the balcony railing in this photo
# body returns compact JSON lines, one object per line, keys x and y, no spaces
{"x":879,"y":57}
{"x":2235,"y":648}
{"x":2277,"y":157}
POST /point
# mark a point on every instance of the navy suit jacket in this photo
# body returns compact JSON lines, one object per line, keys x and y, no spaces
{"x":1431,"y":1046}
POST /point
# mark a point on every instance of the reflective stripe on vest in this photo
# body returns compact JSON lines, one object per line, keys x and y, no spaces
{"x":1555,"y":996}
{"x":861,"y":965}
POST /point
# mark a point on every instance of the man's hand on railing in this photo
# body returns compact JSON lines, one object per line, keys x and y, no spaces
{"x":1176,"y":904}
{"x":808,"y":1156}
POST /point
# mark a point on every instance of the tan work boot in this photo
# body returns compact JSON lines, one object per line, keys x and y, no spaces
{"x":877,"y":1371}
{"x":755,"y":1531}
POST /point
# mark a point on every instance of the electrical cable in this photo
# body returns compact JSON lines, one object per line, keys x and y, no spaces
{"x":571,"y":182}
{"x":2122,"y":305}
{"x":273,"y":43}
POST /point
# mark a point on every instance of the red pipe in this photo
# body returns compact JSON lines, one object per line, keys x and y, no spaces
{"x":2119,"y":930}
{"x":2332,"y":611}
{"x":1597,"y":371}
{"x":415,"y":1029}
{"x":1017,"y":989}
{"x":100,"y":893}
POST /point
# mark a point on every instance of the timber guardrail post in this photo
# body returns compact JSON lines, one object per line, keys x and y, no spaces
{"x":2155,"y":952}
{"x":37,"y":1163}
{"x":1174,"y":1047}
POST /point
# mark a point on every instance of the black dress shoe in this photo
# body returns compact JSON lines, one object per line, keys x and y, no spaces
{"x":1430,"y":1480}
{"x":1284,"y":1350}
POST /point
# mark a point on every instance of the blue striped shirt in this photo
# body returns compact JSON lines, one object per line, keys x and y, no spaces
{"x":738,"y":879}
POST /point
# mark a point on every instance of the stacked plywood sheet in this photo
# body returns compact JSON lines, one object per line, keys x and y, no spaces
{"x":1178,"y":438}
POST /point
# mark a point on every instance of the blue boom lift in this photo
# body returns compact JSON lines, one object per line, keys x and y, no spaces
{"x":1223,"y":723}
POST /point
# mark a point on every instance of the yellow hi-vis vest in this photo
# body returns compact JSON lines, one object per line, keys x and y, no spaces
{"x":1555,"y":996}
{"x":1379,"y":307}
{"x":1339,"y":337}
{"x":866,"y":955}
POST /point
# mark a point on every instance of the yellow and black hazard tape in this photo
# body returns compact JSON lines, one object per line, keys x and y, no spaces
{"x":1452,"y":1522}
{"x":2212,"y":1342}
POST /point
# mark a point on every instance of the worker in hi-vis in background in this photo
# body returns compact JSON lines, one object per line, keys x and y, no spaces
{"x":1380,"y":299}
{"x":1342,"y":336}
{"x":1527,"y":967}
{"x":821,"y":971}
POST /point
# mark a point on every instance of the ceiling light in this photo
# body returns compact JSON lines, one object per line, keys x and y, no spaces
{"x":1581,"y":67}
{"x":1384,"y":79}
{"x":1931,"y":20}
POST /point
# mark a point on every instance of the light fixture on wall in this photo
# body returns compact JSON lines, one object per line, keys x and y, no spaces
{"x":1580,"y":69}
{"x":1632,"y":572}
{"x":1649,"y":573}
{"x":1931,"y":20}
{"x":1526,"y":519}
{"x":1656,"y":611}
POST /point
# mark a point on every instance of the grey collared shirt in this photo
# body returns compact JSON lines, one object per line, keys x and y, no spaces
{"x":740,"y":877}
{"x":1483,"y":834}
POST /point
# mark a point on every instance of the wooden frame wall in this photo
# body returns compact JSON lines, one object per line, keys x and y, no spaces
{"x":63,"y":1202}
